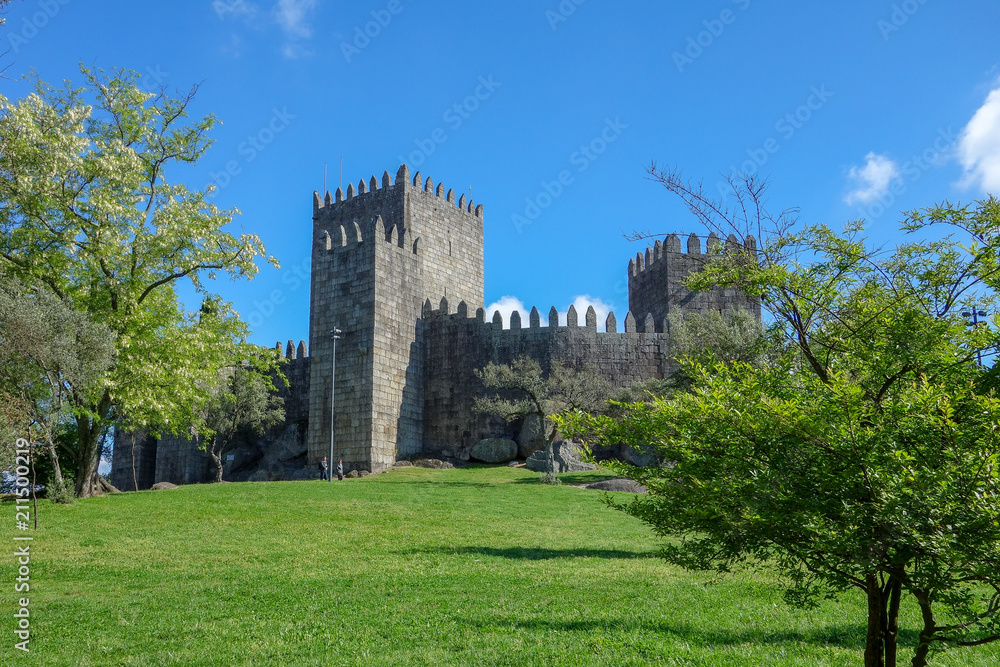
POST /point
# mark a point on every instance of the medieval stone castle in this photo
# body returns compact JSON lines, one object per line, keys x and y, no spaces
{"x":397,"y":267}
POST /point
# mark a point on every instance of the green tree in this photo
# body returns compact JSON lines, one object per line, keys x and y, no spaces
{"x":47,"y":352}
{"x":245,"y":402}
{"x":713,"y":336}
{"x":524,"y":391}
{"x":865,"y":455}
{"x":86,"y":211}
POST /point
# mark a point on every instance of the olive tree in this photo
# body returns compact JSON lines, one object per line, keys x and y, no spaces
{"x":521,"y":390}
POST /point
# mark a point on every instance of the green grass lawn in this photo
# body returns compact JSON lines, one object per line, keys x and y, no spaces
{"x":482,"y":566}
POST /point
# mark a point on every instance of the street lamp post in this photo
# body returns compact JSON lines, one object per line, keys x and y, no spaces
{"x":334,"y":336}
{"x":975,"y":314}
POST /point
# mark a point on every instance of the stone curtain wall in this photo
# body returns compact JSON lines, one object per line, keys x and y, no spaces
{"x":656,"y":280}
{"x":458,"y":343}
{"x":121,"y":461}
{"x":180,"y":460}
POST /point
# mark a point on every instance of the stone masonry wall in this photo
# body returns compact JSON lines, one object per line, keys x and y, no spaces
{"x":398,"y":369}
{"x":457,"y":344}
{"x":180,"y":460}
{"x":382,"y":254}
{"x":343,"y":285}
{"x":122,"y":462}
{"x":450,"y":240}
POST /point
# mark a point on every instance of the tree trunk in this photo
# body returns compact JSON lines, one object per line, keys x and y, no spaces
{"x":56,"y":468}
{"x":135,"y":481}
{"x":88,"y":456}
{"x":875,"y":641}
{"x":892,"y":621}
{"x":89,"y":428}
{"x":217,"y":460}
{"x":550,"y":459}
{"x":106,"y":486}
{"x":927,"y":633}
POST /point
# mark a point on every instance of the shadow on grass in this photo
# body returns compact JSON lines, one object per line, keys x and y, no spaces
{"x":528,"y":553}
{"x":850,"y":637}
{"x":443,"y":483}
{"x":569,"y":478}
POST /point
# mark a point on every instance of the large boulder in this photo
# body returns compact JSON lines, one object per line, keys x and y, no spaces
{"x":626,"y":485}
{"x":566,"y":458}
{"x":643,"y":457}
{"x":531,"y":437}
{"x":162,"y":486}
{"x":494,"y":450}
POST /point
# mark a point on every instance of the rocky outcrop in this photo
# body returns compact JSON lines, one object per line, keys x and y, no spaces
{"x":566,"y":458}
{"x":437,"y":464}
{"x":163,"y":486}
{"x":621,"y":484}
{"x":494,"y":450}
{"x":531,"y":437}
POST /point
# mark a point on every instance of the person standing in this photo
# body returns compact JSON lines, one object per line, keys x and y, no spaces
{"x":324,"y":469}
{"x":340,"y":470}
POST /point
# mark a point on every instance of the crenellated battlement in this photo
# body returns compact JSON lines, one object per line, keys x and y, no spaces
{"x":671,"y":246}
{"x":290,"y":352}
{"x":373,"y":189}
{"x":645,"y":324}
{"x":345,"y":238}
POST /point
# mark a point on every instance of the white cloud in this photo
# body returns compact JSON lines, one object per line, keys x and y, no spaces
{"x":872,"y":180}
{"x":979,"y":146}
{"x":581,"y":303}
{"x":506,"y":305}
{"x":292,"y":14}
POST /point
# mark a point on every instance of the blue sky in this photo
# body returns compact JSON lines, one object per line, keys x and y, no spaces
{"x":852,"y":109}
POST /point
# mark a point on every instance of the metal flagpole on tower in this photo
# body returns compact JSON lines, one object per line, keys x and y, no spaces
{"x":334,"y":336}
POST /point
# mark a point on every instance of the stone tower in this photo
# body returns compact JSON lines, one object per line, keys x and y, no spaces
{"x":379,"y":252}
{"x":656,"y":279}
